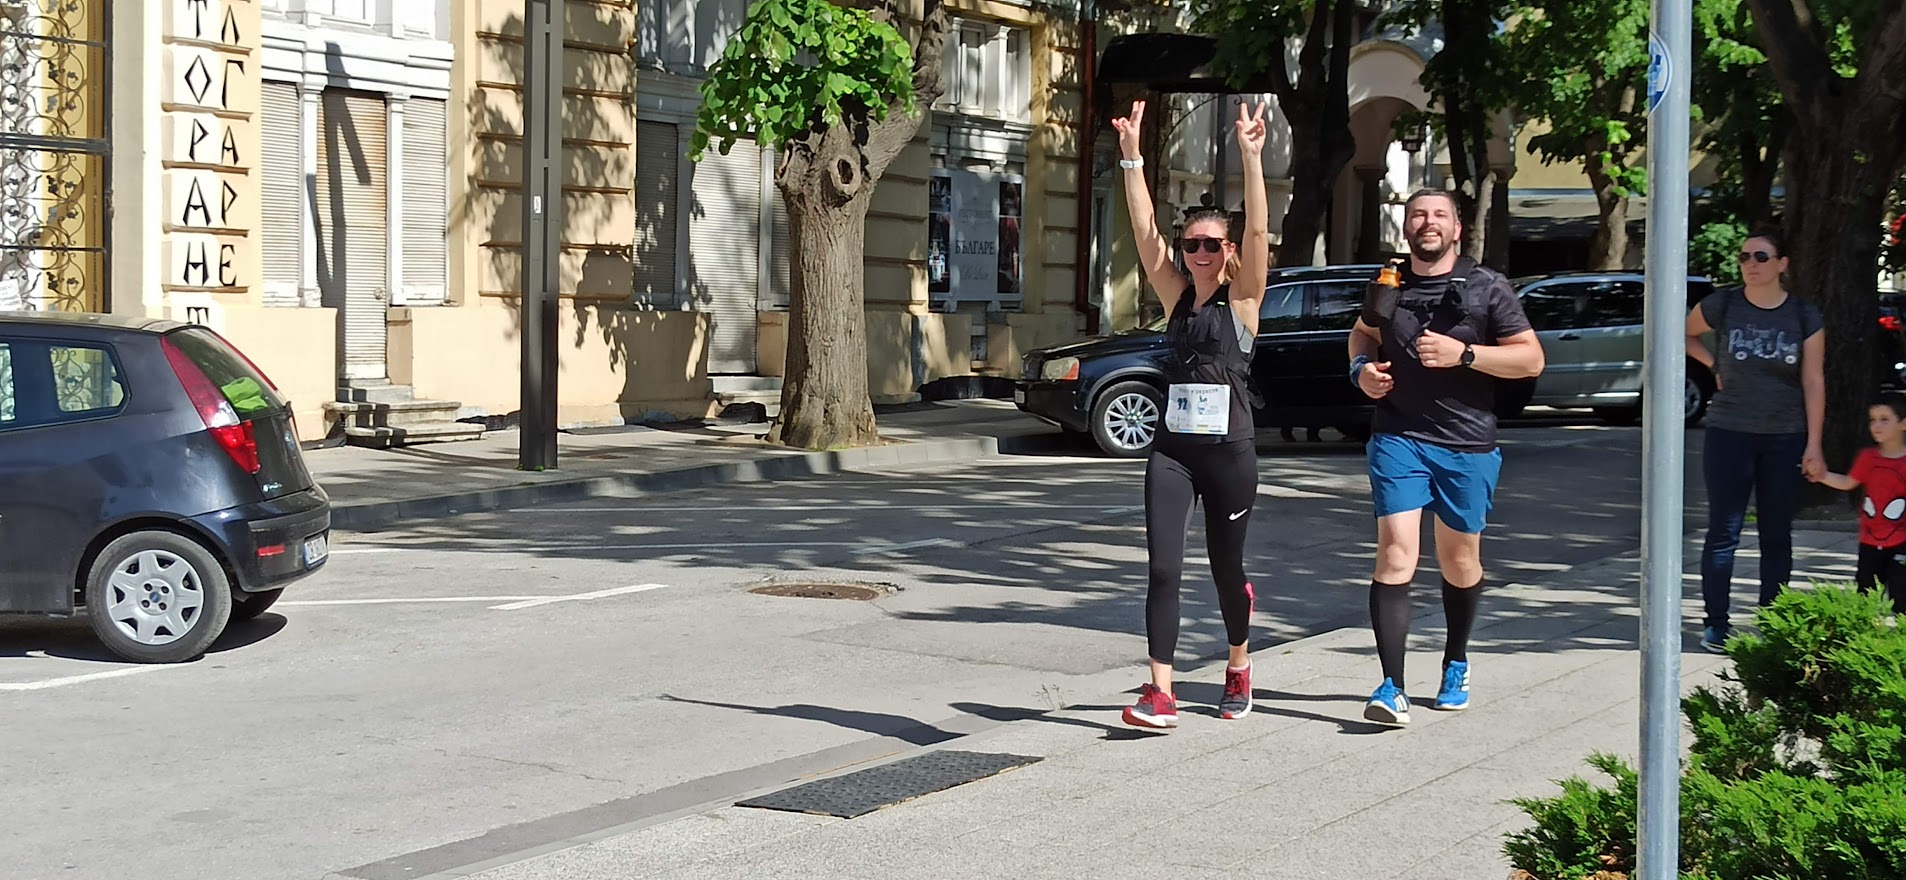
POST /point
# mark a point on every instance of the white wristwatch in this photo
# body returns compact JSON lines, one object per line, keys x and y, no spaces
{"x":1132,"y":163}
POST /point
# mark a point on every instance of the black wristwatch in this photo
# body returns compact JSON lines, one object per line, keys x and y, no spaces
{"x":1469,"y":355}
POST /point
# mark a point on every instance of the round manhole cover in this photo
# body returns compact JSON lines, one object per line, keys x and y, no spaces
{"x":820,"y":590}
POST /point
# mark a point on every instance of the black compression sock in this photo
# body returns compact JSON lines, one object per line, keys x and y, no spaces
{"x":1459,"y":607}
{"x":1390,"y":618}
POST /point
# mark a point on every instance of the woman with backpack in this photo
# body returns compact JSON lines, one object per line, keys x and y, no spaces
{"x":1206,"y":448}
{"x":1763,"y":426}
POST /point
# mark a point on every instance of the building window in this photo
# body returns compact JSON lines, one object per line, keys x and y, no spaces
{"x":988,"y":71}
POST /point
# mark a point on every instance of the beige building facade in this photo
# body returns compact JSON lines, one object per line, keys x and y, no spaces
{"x":335,"y":185}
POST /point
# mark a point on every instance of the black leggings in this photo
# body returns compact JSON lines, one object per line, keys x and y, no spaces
{"x":1224,"y":475}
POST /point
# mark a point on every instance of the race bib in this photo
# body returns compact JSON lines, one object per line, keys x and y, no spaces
{"x":1198,"y":409}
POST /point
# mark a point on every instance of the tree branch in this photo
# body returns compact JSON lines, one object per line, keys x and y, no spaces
{"x":1882,"y":76}
{"x":887,"y":137}
{"x":1310,"y":59}
{"x":1791,"y":39}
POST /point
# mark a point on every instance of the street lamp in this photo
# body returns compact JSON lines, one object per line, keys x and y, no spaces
{"x":1412,"y":143}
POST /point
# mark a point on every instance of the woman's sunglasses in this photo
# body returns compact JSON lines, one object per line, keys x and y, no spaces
{"x":1756,"y":256}
{"x":1193,"y":245}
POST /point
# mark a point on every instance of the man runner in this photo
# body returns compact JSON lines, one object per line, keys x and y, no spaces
{"x":1431,"y":357}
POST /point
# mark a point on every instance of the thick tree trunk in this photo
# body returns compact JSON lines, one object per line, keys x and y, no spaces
{"x":1835,"y":202}
{"x":1304,"y":220}
{"x":824,"y":401}
{"x":1845,"y":154}
{"x":1608,"y":250}
{"x":827,"y":180}
{"x":1760,"y":166}
{"x":1468,"y":134}
{"x":1317,"y":108}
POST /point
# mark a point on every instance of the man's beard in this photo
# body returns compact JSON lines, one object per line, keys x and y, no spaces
{"x":1425,"y":254}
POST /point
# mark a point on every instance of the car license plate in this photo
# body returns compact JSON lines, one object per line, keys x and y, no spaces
{"x":316,"y":549}
{"x":1019,"y":395}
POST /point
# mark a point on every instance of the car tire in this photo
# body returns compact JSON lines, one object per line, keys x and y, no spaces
{"x":249,"y":605}
{"x":143,"y":586}
{"x":1126,"y":419}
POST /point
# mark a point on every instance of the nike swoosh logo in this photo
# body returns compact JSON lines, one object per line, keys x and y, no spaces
{"x":1240,"y":513}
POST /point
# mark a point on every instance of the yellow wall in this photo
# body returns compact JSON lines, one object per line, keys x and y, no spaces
{"x":472,"y":355}
{"x":297,"y":349}
{"x":617,"y":361}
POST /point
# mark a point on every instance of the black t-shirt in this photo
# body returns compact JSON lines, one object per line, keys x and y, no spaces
{"x":1452,"y":407}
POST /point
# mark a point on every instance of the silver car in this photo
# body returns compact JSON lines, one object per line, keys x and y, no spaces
{"x":1590,"y":327}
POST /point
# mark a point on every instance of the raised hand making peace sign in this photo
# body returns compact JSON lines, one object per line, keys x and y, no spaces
{"x":1251,"y":128}
{"x":1127,"y":128}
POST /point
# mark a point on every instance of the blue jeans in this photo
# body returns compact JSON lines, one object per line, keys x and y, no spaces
{"x":1767,"y":468}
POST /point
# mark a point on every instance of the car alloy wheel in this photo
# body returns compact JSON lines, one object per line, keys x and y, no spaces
{"x":1131,"y":420}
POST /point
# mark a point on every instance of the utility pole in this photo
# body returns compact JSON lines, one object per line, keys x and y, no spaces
{"x":542,"y":228}
{"x":1658,"y":831}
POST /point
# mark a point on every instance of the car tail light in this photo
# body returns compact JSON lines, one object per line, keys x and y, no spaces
{"x":1890,"y":322}
{"x":235,"y":436}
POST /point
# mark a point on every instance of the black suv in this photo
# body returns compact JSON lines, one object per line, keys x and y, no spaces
{"x":1111,"y":386}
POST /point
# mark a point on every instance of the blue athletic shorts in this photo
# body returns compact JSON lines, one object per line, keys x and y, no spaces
{"x":1459,"y":487}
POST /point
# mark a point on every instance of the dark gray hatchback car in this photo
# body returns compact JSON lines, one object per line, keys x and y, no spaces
{"x":150,"y":474}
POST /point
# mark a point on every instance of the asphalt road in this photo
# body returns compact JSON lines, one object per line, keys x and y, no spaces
{"x":450,"y":692}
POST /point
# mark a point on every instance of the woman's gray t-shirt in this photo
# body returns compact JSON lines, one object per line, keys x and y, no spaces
{"x":1758,"y":352}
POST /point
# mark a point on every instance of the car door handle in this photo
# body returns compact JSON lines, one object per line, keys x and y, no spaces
{"x":1569,"y":337}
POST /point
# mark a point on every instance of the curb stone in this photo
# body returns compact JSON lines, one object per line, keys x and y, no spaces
{"x":374,"y":515}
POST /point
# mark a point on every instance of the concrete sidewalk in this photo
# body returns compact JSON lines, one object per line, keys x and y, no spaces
{"x":371,"y":488}
{"x":1302,"y":789}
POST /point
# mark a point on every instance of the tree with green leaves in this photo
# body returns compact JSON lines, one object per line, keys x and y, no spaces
{"x":1841,"y":68}
{"x":1469,"y":83}
{"x":838,"y":92}
{"x":1314,"y":100}
{"x":1584,"y":66}
{"x":1744,"y":125}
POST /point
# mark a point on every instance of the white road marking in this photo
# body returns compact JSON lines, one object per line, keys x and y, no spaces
{"x":78,"y":679}
{"x":784,"y":508}
{"x":579,"y":597}
{"x":895,"y":548}
{"x":404,"y":601}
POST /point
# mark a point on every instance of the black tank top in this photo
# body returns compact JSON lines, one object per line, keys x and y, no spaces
{"x":1211,"y":346}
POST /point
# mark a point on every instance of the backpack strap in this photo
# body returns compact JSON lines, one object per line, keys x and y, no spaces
{"x":1472,"y":283}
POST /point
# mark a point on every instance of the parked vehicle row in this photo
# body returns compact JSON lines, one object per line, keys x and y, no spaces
{"x":1590,"y":325}
{"x":150,"y":476}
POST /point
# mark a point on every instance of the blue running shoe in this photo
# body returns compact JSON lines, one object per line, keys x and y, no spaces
{"x":1714,"y":639}
{"x":1455,"y":692}
{"x":1388,"y":706}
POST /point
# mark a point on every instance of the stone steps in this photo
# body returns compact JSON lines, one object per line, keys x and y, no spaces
{"x":383,"y":415}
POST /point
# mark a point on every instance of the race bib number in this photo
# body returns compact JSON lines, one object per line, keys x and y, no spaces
{"x":1198,"y":409}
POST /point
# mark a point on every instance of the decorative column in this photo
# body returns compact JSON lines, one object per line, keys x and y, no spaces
{"x":394,"y":196}
{"x":308,"y":290}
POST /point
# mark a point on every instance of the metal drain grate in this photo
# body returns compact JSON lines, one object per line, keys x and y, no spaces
{"x":820,"y":591}
{"x":864,"y":791}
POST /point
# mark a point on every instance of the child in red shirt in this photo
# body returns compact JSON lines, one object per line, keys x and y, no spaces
{"x":1881,"y":472}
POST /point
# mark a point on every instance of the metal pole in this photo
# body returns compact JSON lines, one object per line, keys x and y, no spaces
{"x":542,"y":229}
{"x":1662,"y":452}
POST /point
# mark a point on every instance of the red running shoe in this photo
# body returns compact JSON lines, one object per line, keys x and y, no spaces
{"x":1236,"y":702}
{"x":1155,"y":709}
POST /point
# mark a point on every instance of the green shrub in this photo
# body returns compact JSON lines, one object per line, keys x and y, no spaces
{"x":1797,"y":769}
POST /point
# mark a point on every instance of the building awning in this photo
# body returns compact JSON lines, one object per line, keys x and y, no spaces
{"x":1169,"y":63}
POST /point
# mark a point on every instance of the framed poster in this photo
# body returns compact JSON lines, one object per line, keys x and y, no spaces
{"x":975,"y":249}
